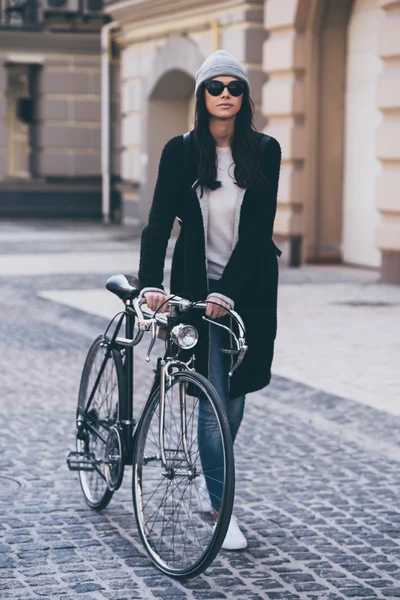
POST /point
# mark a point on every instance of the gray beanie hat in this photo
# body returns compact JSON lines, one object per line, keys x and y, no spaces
{"x":221,"y":63}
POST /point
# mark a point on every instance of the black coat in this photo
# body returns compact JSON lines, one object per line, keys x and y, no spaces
{"x":250,"y":277}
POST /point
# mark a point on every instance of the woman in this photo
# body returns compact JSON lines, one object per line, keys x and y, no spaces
{"x":224,"y":197}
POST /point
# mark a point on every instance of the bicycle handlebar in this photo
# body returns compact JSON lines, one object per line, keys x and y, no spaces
{"x":152,"y":323}
{"x":184,"y":305}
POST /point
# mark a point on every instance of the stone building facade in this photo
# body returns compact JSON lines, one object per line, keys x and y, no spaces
{"x":161,"y":48}
{"x":333,"y":100}
{"x":50,"y":118}
{"x":325,"y":81}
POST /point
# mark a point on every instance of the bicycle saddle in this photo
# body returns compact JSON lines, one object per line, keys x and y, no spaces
{"x":125,"y":287}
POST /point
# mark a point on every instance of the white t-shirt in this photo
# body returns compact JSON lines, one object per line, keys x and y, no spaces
{"x":222,"y":204}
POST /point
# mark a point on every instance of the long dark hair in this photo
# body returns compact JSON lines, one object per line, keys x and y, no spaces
{"x":244,"y":145}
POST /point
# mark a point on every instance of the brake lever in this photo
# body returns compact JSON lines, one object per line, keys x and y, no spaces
{"x":153,"y":331}
{"x":242,"y":352}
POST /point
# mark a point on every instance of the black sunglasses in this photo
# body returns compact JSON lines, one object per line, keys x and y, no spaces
{"x":215,"y":87}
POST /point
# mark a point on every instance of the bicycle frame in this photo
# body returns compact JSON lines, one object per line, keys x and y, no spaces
{"x":126,"y":421}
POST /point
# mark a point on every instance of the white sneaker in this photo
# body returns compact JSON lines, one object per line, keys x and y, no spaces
{"x":234,"y":539}
{"x":203,"y":497}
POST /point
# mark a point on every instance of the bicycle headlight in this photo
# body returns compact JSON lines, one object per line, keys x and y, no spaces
{"x":184,"y":336}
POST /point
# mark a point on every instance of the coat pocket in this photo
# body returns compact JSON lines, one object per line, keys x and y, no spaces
{"x":277,"y":251}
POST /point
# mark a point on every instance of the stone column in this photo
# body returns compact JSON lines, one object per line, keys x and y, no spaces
{"x":388,"y":144}
{"x":284,"y":61}
{"x":69,"y":116}
{"x":3,"y":122}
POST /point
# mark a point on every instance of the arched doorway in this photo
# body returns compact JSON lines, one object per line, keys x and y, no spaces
{"x":170,"y":113}
{"x":362,"y":116}
{"x":168,"y":106}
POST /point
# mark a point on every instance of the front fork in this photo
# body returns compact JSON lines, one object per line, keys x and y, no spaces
{"x":165,"y":376}
{"x":161,"y":427}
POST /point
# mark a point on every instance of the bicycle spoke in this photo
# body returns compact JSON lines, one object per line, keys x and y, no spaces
{"x":177,"y":535}
{"x":102,"y":413}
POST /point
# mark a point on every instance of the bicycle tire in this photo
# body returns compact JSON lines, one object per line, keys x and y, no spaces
{"x":94,"y":486}
{"x":200,"y":539}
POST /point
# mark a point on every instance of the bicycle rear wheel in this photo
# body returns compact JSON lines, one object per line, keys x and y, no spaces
{"x":180,"y":539}
{"x":95,"y":423}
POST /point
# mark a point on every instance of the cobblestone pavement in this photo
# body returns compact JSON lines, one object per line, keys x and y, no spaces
{"x":317,"y":474}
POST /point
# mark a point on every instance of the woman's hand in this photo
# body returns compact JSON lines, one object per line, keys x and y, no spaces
{"x":214,"y":311}
{"x":154,"y":299}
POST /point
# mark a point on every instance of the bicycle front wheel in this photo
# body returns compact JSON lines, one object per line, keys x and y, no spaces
{"x":195,"y":442}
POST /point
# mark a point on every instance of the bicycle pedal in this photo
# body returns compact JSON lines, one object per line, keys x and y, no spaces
{"x":79,"y":461}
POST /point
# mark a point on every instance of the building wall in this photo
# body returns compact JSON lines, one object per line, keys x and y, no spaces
{"x":69,"y":116}
{"x":115,"y":115}
{"x":297,"y":55}
{"x":305,"y":60}
{"x":388,"y":143}
{"x":284,"y":104}
{"x":362,"y":118}
{"x":65,"y":139}
{"x":3,"y":122}
{"x":296,"y":52}
{"x":160,"y":54}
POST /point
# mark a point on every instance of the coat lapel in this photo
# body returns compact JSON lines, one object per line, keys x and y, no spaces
{"x":203,"y":202}
{"x":239,"y":201}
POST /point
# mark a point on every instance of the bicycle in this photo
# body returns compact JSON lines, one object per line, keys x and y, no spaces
{"x":163,"y":446}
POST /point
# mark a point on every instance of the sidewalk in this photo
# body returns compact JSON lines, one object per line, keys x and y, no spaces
{"x":343,"y":338}
{"x":338,"y":328}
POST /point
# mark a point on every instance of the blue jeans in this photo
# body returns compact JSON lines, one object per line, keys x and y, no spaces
{"x":210,"y":445}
